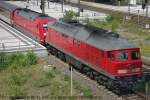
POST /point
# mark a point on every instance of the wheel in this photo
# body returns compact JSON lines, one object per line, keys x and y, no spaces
{"x":100,"y":81}
{"x":91,"y":75}
{"x":109,"y":85}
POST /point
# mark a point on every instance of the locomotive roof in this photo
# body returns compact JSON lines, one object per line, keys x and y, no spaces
{"x":98,"y":38}
{"x":30,"y":15}
{"x":8,"y":6}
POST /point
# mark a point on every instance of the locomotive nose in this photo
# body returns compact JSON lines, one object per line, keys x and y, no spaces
{"x":129,"y":68}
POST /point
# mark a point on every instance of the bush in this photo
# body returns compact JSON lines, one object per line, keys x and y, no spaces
{"x":17,"y":60}
{"x":16,"y":79}
{"x":69,"y":16}
{"x":50,"y":74}
{"x":114,"y":26}
{"x":31,"y":58}
{"x":114,"y":20}
{"x":2,"y":61}
{"x":114,"y":16}
{"x":16,"y":76}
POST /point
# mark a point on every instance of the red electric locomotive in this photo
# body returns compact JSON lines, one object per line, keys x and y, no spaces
{"x":32,"y":23}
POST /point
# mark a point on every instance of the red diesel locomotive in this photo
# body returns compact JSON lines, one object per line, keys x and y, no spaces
{"x":99,"y":54}
{"x":97,"y":48}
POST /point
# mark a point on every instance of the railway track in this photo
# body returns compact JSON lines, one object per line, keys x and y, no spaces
{"x":135,"y":18}
{"x":134,"y":97}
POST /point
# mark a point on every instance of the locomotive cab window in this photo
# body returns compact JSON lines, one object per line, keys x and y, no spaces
{"x":122,"y":56}
{"x":45,"y":26}
{"x":111,"y":56}
{"x":135,"y":55}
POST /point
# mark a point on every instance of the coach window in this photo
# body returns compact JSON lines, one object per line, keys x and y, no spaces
{"x":122,"y":56}
{"x":111,"y":56}
{"x":135,"y":55}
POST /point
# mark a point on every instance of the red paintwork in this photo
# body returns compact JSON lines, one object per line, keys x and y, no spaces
{"x":91,"y":55}
{"x":33,"y":27}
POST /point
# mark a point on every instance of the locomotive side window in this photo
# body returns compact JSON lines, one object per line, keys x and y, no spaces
{"x":122,"y":56}
{"x":135,"y":55}
{"x":111,"y":56}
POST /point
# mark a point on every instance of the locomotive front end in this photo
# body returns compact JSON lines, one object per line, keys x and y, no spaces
{"x":128,"y":62}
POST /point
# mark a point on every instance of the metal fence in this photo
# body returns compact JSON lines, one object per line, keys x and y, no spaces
{"x":12,"y":43}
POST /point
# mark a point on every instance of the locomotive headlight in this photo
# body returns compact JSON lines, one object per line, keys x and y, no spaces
{"x":44,"y":34}
{"x":122,"y":71}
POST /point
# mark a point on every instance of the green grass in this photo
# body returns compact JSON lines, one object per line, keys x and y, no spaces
{"x":20,"y":77}
{"x":17,"y":60}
